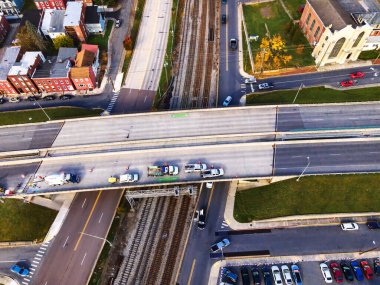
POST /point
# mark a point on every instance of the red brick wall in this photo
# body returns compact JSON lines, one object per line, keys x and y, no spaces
{"x":22,"y":83}
{"x":6,"y":88}
{"x":51,"y":4}
{"x":54,"y":84}
{"x":306,"y":25}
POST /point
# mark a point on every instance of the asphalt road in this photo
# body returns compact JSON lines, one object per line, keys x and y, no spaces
{"x":72,"y":255}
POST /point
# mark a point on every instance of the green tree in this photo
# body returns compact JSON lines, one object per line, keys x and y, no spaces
{"x":30,"y":40}
{"x":63,"y":41}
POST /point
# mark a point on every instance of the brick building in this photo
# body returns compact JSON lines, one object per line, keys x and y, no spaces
{"x":4,"y":28}
{"x":74,"y":22}
{"x":83,"y":74}
{"x":50,"y":4}
{"x":21,"y":72}
{"x":53,"y":76}
{"x":9,"y":58}
{"x":52,"y":23}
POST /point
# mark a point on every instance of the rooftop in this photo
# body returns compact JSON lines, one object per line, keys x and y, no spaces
{"x":92,"y":48}
{"x":28,"y":59}
{"x":84,"y":58}
{"x":92,"y":16}
{"x":73,"y":13}
{"x":80,"y":72}
{"x":52,"y":21}
{"x":57,"y":66}
{"x":6,"y":63}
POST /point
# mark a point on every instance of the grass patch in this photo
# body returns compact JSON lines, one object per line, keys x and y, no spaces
{"x":246,"y":61}
{"x":315,"y":95}
{"x":311,"y":195}
{"x":35,"y":116}
{"x":369,"y":54}
{"x":101,"y":40}
{"x":275,"y":18}
{"x":24,"y":222}
{"x":293,"y":6}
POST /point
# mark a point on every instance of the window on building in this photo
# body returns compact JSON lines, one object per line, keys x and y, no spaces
{"x":49,"y":82}
{"x":317,"y":32}
{"x":312,"y":25}
{"x":357,"y":41}
{"x":337,"y":47}
{"x":308,"y":19}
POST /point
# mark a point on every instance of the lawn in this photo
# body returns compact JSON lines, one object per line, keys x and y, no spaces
{"x":101,"y":40}
{"x":24,"y":222}
{"x":315,"y":95}
{"x":36,"y":115}
{"x":293,"y":6}
{"x":311,"y":195}
{"x":275,"y":18}
{"x":369,"y":54}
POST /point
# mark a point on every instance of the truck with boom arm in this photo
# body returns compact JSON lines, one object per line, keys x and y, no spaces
{"x":161,"y":170}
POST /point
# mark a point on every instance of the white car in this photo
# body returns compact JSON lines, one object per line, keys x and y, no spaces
{"x":129,"y":178}
{"x":276,"y":275}
{"x":250,"y":80}
{"x":326,"y":272}
{"x":263,"y":86}
{"x":118,"y":23}
{"x":14,"y":100}
{"x":286,"y":275}
{"x":209,"y":185}
{"x":350,"y":226}
{"x":227,"y":101}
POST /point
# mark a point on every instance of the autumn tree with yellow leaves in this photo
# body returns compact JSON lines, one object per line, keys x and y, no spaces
{"x":272,"y":53}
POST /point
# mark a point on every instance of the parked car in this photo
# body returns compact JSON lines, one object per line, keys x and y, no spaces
{"x":117,"y":23}
{"x":227,"y":101}
{"x":264,"y":86}
{"x":256,"y":276}
{"x":326,"y":273}
{"x":202,"y":219}
{"x":276,"y":275}
{"x":230,"y":275}
{"x":349,"y":226}
{"x":66,"y":97}
{"x":296,"y":274}
{"x":336,"y":272}
{"x":14,"y":100}
{"x":196,"y":216}
{"x":347,"y":271}
{"x":209,"y":185}
{"x":373,"y":225}
{"x":49,"y":98}
{"x":267,"y":276}
{"x":233,"y":44}
{"x":2,"y":101}
{"x":32,"y":98}
{"x":376,"y":266}
{"x":286,"y":275}
{"x":20,"y":269}
{"x":357,"y":270}
{"x":220,"y":245}
{"x":224,"y":19}
{"x":250,"y":80}
{"x":347,"y":83}
{"x":368,"y":273}
{"x":245,"y":276}
{"x":357,"y":74}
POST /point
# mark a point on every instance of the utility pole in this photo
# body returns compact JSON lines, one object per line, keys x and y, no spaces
{"x":299,"y":89}
{"x":106,"y":240}
{"x":299,"y":177}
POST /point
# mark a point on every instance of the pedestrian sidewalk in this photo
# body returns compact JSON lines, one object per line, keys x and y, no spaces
{"x":289,"y":221}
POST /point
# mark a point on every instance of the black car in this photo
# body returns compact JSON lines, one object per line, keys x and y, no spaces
{"x":267,"y":276}
{"x":373,"y":225}
{"x":256,"y":276}
{"x":224,"y":19}
{"x":2,"y":101}
{"x":347,"y":271}
{"x":245,"y":276}
{"x":66,"y":97}
{"x":202,"y":219}
{"x":233,"y":44}
{"x":376,"y":266}
{"x":49,"y":98}
{"x":32,"y":98}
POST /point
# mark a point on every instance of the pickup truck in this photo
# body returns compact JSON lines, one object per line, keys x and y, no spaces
{"x":161,"y":170}
{"x":61,"y":179}
{"x":210,"y":173}
{"x":124,"y":178}
{"x":220,"y":245}
{"x":196,"y":167}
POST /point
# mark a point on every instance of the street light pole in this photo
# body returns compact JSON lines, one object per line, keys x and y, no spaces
{"x":299,"y":89}
{"x":97,"y":238}
{"x":299,"y":177}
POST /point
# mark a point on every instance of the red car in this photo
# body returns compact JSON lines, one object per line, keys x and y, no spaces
{"x":357,"y":74}
{"x":367,"y":269}
{"x":336,"y":272}
{"x":347,"y":83}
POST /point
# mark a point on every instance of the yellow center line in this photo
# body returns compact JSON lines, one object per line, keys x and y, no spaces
{"x":209,"y":199}
{"x":226,"y":37}
{"x":191,"y":272}
{"x":88,"y":219}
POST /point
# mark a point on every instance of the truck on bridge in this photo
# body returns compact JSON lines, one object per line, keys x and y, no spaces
{"x":124,"y":178}
{"x":161,"y":170}
{"x":59,"y":179}
{"x":213,"y":172}
{"x":195,"y":167}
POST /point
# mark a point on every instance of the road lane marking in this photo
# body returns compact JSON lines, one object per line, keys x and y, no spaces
{"x":84,"y":202}
{"x":88,"y":220}
{"x":39,"y":255}
{"x":191,"y":272}
{"x":209,"y":199}
{"x":64,"y":244}
{"x":227,"y":37}
{"x":83,"y":259}
{"x":101,"y":216}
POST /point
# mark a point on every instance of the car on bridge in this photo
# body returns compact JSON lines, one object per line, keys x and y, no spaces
{"x":347,"y":83}
{"x":357,"y":74}
{"x":210,"y":173}
{"x":195,"y":167}
{"x":220,"y":245}
{"x":264,"y":86}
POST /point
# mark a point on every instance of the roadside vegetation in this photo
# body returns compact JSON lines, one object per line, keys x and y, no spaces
{"x":294,"y":7}
{"x":314,"y":95}
{"x":23,"y":221}
{"x":369,"y":54}
{"x":311,"y":195}
{"x":37,"y":115}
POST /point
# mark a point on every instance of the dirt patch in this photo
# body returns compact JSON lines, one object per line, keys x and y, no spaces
{"x":266,"y":12}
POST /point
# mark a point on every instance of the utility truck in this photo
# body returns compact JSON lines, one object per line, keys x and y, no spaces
{"x":60,"y":179}
{"x":161,"y":170}
{"x":195,"y":167}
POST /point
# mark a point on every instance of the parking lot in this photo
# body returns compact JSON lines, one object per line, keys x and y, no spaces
{"x":310,"y":271}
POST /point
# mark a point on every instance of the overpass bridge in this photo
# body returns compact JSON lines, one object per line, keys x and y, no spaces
{"x":247,"y":142}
